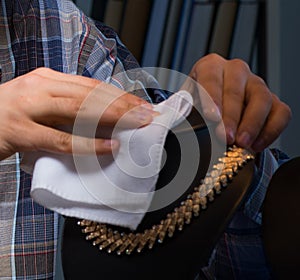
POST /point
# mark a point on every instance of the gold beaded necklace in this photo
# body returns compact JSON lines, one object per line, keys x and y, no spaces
{"x":120,"y":242}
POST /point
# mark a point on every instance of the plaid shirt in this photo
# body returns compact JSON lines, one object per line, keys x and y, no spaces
{"x":55,"y":34}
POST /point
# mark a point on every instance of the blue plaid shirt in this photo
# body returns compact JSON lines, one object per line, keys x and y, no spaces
{"x":55,"y":34}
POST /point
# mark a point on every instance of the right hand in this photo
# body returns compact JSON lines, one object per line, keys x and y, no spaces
{"x":35,"y":104}
{"x":253,"y":116}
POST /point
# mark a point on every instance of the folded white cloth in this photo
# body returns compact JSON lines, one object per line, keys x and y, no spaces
{"x":115,"y":189}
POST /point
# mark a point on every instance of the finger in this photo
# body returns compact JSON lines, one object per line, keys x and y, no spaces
{"x":63,"y":77}
{"x":277,"y":121}
{"x":104,"y":102}
{"x":258,"y":106}
{"x":120,"y":97}
{"x":103,"y":96}
{"x":66,"y":111}
{"x":236,"y":74}
{"x":85,"y":82}
{"x":56,"y":141}
{"x":202,"y":100}
{"x":109,"y":105}
{"x":208,"y":72}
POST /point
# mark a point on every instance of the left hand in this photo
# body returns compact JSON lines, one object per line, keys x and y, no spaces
{"x":253,"y":116}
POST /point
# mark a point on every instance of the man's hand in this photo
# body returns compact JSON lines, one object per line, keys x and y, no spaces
{"x":253,"y":116}
{"x":34,"y":105}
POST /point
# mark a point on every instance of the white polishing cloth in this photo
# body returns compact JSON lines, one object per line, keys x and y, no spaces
{"x":115,"y":189}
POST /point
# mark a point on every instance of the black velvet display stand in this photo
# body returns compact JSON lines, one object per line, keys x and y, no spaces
{"x":179,"y":257}
{"x":281,"y":221}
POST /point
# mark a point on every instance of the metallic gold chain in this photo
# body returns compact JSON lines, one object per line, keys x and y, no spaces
{"x":120,"y":242}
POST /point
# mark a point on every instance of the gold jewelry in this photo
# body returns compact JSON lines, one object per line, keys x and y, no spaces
{"x":223,"y":172}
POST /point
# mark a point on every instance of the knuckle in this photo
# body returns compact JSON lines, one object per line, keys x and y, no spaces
{"x":70,"y":108}
{"x":63,"y":143}
{"x":74,"y":106}
{"x":239,"y":64}
{"x":119,"y":112}
{"x":260,"y":81}
{"x":286,"y":110}
{"x":89,"y":145}
{"x":95,"y":83}
{"x":42,"y":71}
{"x":29,"y":81}
{"x":102,"y":86}
{"x":213,"y":58}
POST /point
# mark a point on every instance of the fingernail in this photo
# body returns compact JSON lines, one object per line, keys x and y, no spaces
{"x":147,"y":106}
{"x":111,"y":143}
{"x":144,"y":115}
{"x":230,"y":135}
{"x":244,"y":139}
{"x":155,"y":113}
